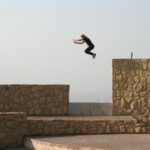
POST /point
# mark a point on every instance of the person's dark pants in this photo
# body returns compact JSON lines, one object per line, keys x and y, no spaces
{"x":88,"y":50}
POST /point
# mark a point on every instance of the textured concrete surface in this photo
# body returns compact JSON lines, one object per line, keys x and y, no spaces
{"x":92,"y":142}
{"x":86,"y":118}
{"x":90,"y":109}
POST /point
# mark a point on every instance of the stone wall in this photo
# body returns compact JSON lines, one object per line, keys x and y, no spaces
{"x":13,"y":127}
{"x":83,"y":125}
{"x":131,"y":88}
{"x":35,"y":99}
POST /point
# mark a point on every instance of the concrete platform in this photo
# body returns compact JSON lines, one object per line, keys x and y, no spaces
{"x":91,"y":142}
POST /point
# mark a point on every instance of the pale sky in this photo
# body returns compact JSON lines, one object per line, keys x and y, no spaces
{"x":36,"y":42}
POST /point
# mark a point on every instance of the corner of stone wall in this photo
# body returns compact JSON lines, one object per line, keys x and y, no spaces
{"x":13,"y":127}
{"x":131,"y":88}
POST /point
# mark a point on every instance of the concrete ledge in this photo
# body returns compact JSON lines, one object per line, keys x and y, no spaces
{"x":82,"y":118}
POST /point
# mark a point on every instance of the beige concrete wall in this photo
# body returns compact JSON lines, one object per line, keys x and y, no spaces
{"x":13,"y":127}
{"x":35,"y":99}
{"x":131,"y":88}
{"x":90,"y":109}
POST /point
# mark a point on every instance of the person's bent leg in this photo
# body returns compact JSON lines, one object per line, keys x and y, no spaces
{"x":88,"y":50}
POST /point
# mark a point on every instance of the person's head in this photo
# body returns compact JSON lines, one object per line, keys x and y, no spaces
{"x":83,"y":36}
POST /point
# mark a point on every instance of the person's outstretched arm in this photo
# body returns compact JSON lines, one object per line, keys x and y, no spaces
{"x":78,"y":41}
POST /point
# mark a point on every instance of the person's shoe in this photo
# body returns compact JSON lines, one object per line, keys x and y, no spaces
{"x":94,"y":55}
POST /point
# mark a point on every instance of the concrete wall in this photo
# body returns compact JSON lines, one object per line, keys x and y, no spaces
{"x":90,"y":109}
{"x":13,"y":127}
{"x":131,"y":88}
{"x":35,"y":99}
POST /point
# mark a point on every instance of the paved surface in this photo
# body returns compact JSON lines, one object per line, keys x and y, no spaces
{"x":98,"y":142}
{"x":88,"y":118}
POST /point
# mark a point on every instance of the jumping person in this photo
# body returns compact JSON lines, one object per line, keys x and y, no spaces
{"x":85,"y":39}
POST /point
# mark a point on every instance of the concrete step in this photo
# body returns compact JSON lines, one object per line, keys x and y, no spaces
{"x":75,"y":125}
{"x":90,"y":142}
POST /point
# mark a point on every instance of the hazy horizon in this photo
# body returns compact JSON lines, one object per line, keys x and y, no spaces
{"x":36,"y":42}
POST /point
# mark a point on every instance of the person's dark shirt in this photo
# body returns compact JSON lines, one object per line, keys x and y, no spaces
{"x":87,"y":41}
